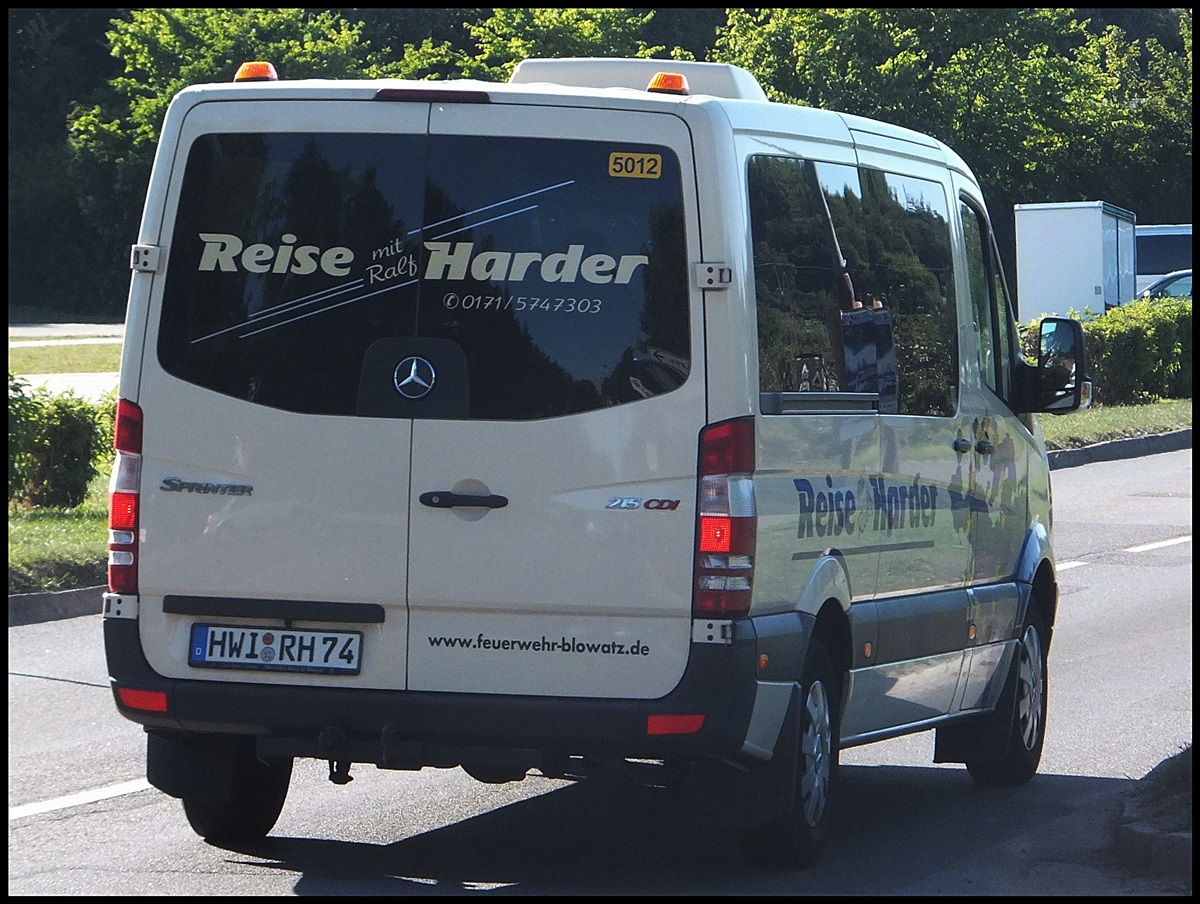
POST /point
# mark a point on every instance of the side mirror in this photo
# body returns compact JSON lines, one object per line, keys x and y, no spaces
{"x":1062,"y":384}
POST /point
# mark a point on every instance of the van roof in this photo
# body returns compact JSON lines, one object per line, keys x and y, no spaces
{"x":713,"y":79}
{"x":567,"y":77}
{"x":743,"y":99}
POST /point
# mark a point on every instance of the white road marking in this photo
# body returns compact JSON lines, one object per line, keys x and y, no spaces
{"x":76,"y":800}
{"x":1145,"y":547}
{"x":1160,"y":544}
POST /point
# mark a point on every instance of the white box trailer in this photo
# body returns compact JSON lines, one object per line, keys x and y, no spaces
{"x":1074,"y":256}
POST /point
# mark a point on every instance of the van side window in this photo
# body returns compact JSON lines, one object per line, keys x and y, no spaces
{"x":989,"y":303}
{"x":798,"y":277}
{"x":855,"y":284}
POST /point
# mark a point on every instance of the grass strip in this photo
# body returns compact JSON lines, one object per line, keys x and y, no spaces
{"x":65,"y":359}
{"x":1108,"y":422}
{"x":59,"y":548}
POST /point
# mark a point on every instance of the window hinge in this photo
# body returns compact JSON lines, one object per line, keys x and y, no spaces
{"x":712,"y":276}
{"x":144,"y":257}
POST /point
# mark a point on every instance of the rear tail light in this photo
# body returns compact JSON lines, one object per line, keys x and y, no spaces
{"x":151,"y":701}
{"x":674,"y":723}
{"x":725,"y":529}
{"x":124,"y":488}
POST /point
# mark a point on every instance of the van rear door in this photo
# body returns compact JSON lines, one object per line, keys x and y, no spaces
{"x":553,"y":510}
{"x":372,"y":311}
{"x":265,"y":487}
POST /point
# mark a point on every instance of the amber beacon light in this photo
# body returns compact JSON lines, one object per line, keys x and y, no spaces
{"x":668,"y":83}
{"x":257,"y":71}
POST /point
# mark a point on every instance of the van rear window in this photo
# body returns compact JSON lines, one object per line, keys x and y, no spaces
{"x":537,"y":277}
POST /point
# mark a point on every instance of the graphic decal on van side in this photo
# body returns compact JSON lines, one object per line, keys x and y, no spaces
{"x":830,"y":512}
{"x":899,"y":505}
{"x":826,"y":513}
{"x":830,"y":508}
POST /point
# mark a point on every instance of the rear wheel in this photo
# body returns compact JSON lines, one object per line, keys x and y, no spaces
{"x":259,"y":790}
{"x":797,"y":839}
{"x":1016,"y":761}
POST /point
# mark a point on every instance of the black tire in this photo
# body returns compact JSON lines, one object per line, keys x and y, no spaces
{"x":1016,"y":761}
{"x":796,"y":840}
{"x":259,"y":792}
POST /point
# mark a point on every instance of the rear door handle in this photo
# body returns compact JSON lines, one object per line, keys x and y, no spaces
{"x":446,"y":499}
{"x":985,"y":447}
{"x":962,"y":445}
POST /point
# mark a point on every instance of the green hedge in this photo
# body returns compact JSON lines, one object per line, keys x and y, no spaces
{"x":1140,"y":352}
{"x":56,"y":444}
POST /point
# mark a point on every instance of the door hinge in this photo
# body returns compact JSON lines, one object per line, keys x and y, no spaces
{"x":716,"y":275}
{"x":709,"y":630}
{"x":144,"y":258}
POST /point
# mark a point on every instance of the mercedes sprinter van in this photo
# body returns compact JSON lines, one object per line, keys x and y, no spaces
{"x":613,"y":414}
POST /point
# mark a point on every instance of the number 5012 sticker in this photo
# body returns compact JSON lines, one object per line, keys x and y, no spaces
{"x":635,"y":166}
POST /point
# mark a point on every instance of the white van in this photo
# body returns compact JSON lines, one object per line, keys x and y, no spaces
{"x":612,"y":415}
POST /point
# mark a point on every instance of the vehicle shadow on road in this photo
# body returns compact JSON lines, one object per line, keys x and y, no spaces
{"x":902,"y":830}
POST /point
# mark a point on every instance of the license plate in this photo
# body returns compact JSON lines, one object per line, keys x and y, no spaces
{"x":276,"y":649}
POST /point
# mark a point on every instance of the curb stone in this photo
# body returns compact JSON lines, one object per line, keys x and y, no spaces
{"x":1117,"y":449}
{"x":1153,"y":834}
{"x":1142,"y":847}
{"x":31,"y":608}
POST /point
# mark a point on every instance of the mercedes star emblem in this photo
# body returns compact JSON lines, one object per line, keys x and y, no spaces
{"x":414,"y":377}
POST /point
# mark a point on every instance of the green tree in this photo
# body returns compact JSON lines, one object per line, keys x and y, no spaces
{"x":55,"y":58}
{"x":691,"y":33}
{"x":389,"y":30}
{"x":511,"y":35}
{"x":163,"y":51}
{"x":420,"y":43}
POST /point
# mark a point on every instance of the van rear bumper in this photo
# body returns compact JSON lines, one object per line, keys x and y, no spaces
{"x":410,"y":729}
